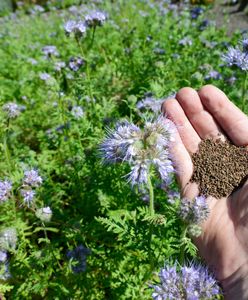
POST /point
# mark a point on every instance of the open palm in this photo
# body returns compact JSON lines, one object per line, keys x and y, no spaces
{"x":224,"y":241}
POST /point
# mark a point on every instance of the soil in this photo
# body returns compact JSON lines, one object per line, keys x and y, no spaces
{"x":219,"y":167}
{"x":223,"y":17}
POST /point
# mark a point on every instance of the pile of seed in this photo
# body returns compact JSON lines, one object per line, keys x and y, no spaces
{"x":219,"y":167}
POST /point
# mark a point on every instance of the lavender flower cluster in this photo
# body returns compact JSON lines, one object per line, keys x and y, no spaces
{"x":194,"y":212}
{"x":193,"y":282}
{"x":12,"y":109}
{"x":8,"y":240}
{"x":78,"y":256}
{"x":31,"y":180}
{"x":142,"y":149}
{"x":79,"y":28}
{"x":238,"y":56}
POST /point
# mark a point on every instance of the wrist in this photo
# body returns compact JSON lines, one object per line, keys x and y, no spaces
{"x":236,"y":285}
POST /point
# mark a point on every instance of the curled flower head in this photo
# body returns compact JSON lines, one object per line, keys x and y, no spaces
{"x":95,"y":18}
{"x":75,"y":63}
{"x":45,"y":76}
{"x":5,"y":188}
{"x":121,"y":143}
{"x":32,"y":178}
{"x":44,"y":214}
{"x":141,"y":148}
{"x":194,"y":211}
{"x":12,"y":109}
{"x":191,"y":281}
{"x":8,"y":238}
{"x":77,"y":112}
{"x":50,"y":51}
{"x":28,"y":196}
{"x":78,"y":28}
{"x":237,"y":57}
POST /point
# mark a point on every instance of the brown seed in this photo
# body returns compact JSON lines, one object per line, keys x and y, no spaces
{"x":219,"y":167}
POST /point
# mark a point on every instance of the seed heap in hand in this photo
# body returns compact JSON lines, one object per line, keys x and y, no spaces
{"x":219,"y":167}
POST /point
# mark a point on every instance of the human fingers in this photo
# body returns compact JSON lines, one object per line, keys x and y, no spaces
{"x":202,"y":121}
{"x":175,"y":113}
{"x":183,"y":165}
{"x":231,"y":119}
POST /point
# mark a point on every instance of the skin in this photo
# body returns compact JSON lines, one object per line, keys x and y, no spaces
{"x":224,"y":242}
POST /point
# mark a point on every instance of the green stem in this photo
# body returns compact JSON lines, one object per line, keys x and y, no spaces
{"x":151,"y":194}
{"x":6,"y":148}
{"x":93,"y":36}
{"x":87,"y":71}
{"x":181,"y":254}
{"x":244,"y":87}
{"x":151,"y":208}
{"x":48,"y":242}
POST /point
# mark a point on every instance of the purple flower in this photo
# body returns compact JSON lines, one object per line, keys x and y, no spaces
{"x":32,"y":178}
{"x":5,"y":188}
{"x":196,"y":12}
{"x":59,"y":65}
{"x":189,"y":282}
{"x":78,"y":256}
{"x":44,"y":76}
{"x":213,"y":75}
{"x":194,"y":211}
{"x":28,"y":196}
{"x":50,"y":50}
{"x":150,"y":103}
{"x":186,"y":41}
{"x":12,"y":109}
{"x":139,"y":173}
{"x":142,"y":148}
{"x":78,"y":28}
{"x":235,"y":57}
{"x":169,"y":285}
{"x":76,"y":63}
{"x":119,"y":144}
{"x":95,"y":18}
{"x":77,"y":112}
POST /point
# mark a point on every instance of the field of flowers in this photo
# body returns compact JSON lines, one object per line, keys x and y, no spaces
{"x":80,"y":217}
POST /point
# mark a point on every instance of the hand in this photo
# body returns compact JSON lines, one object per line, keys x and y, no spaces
{"x":224,"y":241}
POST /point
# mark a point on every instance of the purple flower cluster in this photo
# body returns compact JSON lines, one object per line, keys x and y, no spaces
{"x":95,"y":18}
{"x":8,"y":238}
{"x":31,"y":180}
{"x":142,"y":149}
{"x":76,"y":63}
{"x":194,"y":211}
{"x":213,"y":75}
{"x":78,"y":256}
{"x":5,"y":188}
{"x":12,"y":109}
{"x":77,"y":112}
{"x":186,"y":41}
{"x":150,"y":103}
{"x":193,"y":282}
{"x":50,"y":51}
{"x":237,"y":56}
{"x":76,"y":28}
{"x":79,"y":28}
